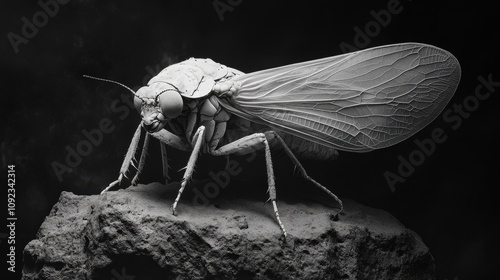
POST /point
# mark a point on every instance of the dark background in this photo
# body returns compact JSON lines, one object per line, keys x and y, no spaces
{"x":46,"y":105}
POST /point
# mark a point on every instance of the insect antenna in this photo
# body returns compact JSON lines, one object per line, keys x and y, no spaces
{"x":114,"y":82}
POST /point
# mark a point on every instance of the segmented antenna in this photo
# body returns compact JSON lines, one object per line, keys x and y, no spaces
{"x":114,"y":82}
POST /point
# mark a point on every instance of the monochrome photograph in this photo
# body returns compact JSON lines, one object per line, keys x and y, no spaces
{"x":237,"y":139}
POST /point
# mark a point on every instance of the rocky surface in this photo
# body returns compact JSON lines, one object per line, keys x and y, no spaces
{"x":131,"y":234}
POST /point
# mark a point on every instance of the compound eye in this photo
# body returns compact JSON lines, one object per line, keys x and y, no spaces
{"x":137,"y":104}
{"x":137,"y":101}
{"x":171,"y":104}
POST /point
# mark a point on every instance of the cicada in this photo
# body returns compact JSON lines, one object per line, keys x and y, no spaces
{"x":355,"y":102}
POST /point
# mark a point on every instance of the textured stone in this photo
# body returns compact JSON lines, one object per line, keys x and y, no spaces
{"x":131,"y":234}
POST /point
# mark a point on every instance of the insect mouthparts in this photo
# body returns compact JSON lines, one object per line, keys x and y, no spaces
{"x":151,"y":127}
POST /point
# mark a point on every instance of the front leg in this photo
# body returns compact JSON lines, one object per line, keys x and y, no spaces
{"x":164,"y":136}
{"x":142,"y":160}
{"x":128,"y":159}
{"x":172,"y":140}
{"x":198,"y":139}
{"x":164,"y":162}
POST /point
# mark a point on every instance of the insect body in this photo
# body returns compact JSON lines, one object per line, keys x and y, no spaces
{"x":355,"y":102}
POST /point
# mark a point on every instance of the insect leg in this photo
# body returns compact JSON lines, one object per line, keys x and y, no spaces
{"x":164,"y":161}
{"x":142,"y":160}
{"x":128,"y":159}
{"x":171,"y":139}
{"x":198,"y":139}
{"x":271,"y":184}
{"x":302,"y":170}
{"x":249,"y":144}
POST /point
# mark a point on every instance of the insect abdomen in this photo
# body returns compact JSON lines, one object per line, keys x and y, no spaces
{"x":239,"y":127}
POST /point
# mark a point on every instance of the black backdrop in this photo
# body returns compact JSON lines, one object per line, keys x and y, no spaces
{"x":47,"y":106}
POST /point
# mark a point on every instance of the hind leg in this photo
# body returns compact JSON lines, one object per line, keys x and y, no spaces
{"x":249,"y":144}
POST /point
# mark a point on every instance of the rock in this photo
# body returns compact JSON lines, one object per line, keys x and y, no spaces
{"x":131,"y":234}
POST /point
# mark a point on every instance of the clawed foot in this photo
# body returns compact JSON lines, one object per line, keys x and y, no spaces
{"x":112,"y":185}
{"x":173,"y":210}
{"x":135,"y":180}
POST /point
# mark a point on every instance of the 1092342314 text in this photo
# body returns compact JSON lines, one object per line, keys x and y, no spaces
{"x":11,"y":218}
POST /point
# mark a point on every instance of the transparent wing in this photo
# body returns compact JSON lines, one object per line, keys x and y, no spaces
{"x":358,"y":101}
